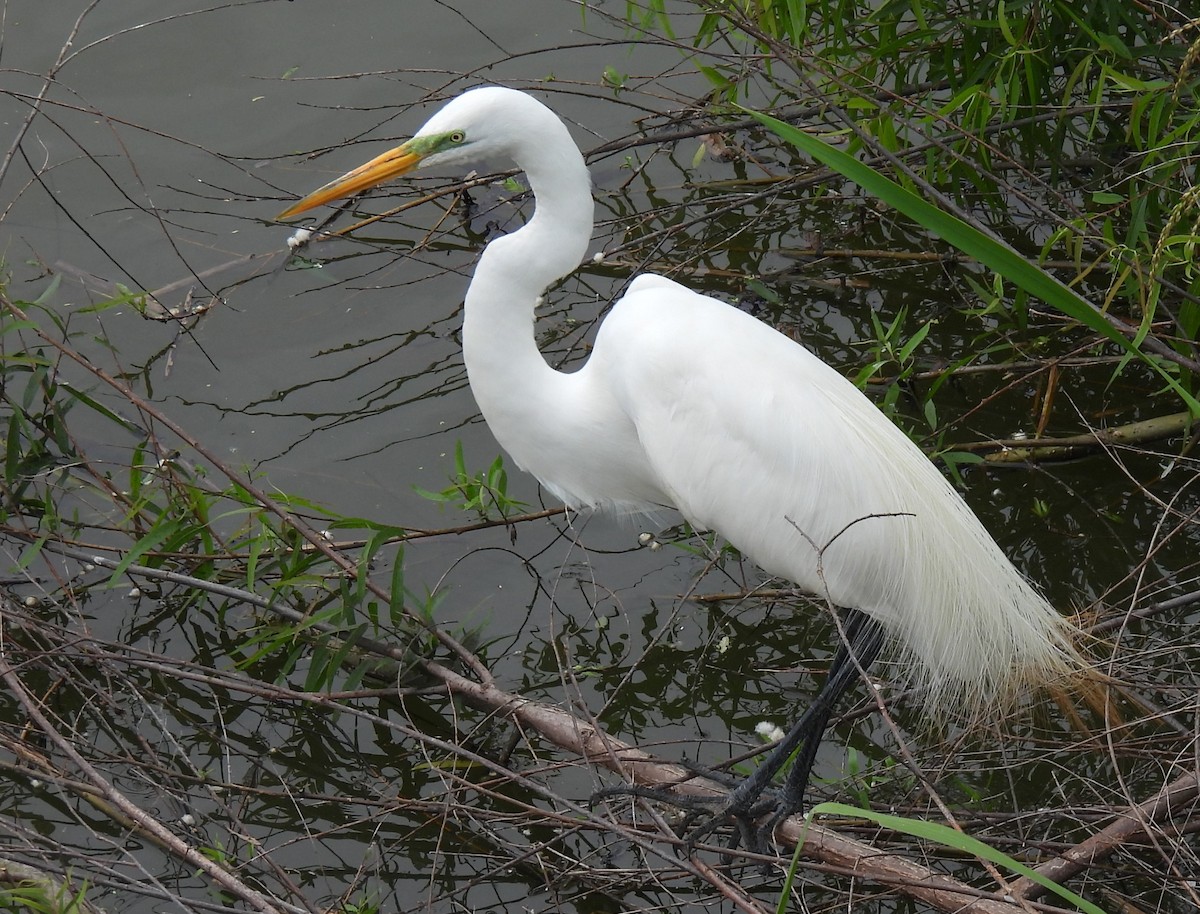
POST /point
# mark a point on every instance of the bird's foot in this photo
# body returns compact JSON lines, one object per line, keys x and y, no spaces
{"x":756,"y":814}
{"x":704,"y":815}
{"x":693,"y":807}
{"x":747,"y":833}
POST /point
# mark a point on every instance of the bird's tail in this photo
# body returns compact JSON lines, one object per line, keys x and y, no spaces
{"x":1004,"y":644}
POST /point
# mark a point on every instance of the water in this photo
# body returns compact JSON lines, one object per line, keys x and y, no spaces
{"x":165,"y":151}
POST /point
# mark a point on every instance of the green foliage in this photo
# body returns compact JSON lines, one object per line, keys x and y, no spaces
{"x":968,"y":239}
{"x":169,"y":521}
{"x":893,"y":350}
{"x":955,"y":461}
{"x":166,"y":520}
{"x":614,"y":78}
{"x":988,"y":250}
{"x":862,"y":778}
{"x":484,"y":492}
{"x":217,"y":853}
{"x":42,"y":896}
{"x":364,"y":904}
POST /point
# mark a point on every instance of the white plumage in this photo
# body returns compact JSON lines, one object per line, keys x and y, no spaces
{"x":688,"y":402}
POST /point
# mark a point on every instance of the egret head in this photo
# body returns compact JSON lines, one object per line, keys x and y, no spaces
{"x":478,"y":125}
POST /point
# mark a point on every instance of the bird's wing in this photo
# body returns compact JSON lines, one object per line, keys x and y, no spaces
{"x":755,"y":437}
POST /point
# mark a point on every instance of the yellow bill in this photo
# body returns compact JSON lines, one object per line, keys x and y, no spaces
{"x":391,"y":164}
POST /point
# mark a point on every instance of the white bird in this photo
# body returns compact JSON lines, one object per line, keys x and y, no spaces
{"x":687,"y":402}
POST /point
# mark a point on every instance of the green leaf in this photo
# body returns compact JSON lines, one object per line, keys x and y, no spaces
{"x":440,"y":497}
{"x":10,"y":325}
{"x":914,"y":341}
{"x":396,"y":606}
{"x":146,"y":544}
{"x":715,"y":77}
{"x":34,"y":550}
{"x":1005,"y":28}
{"x":254,"y":548}
{"x":763,"y":291}
{"x":323,"y":681}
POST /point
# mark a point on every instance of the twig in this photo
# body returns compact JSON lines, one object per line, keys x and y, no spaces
{"x":256,"y":492}
{"x":596,"y":746}
{"x":1027,"y":450}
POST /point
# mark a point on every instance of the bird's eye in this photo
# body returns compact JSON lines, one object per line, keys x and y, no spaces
{"x":457,"y":137}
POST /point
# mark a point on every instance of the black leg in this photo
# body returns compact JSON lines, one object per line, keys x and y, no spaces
{"x":866,"y":640}
{"x":865,"y":637}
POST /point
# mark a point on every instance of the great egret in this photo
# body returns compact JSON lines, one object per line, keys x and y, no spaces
{"x":687,"y":402}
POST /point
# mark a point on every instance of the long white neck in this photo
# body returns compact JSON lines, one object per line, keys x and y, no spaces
{"x":516,"y":390}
